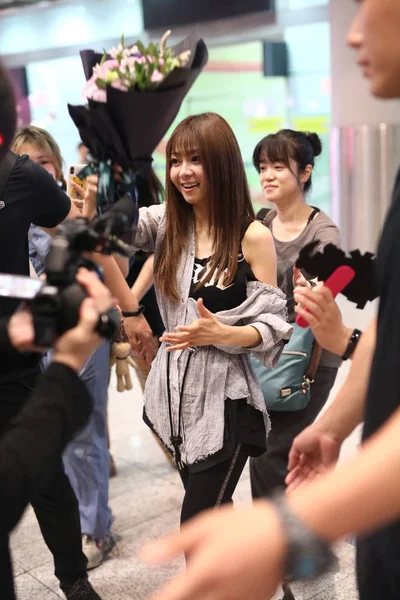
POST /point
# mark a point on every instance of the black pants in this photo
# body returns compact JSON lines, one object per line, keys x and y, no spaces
{"x":378,"y":565}
{"x":213,"y":486}
{"x":269,"y":471}
{"x":56,"y":507}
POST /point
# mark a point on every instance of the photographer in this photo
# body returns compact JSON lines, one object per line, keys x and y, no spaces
{"x":30,"y":195}
{"x":59,"y":406}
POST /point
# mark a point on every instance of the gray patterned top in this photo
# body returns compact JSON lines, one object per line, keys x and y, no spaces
{"x":215,"y":373}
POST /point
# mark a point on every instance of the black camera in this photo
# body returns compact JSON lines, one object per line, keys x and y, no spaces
{"x":55,"y":303}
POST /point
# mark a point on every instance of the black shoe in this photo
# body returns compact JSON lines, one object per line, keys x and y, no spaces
{"x":288,"y":594}
{"x":80,"y":590}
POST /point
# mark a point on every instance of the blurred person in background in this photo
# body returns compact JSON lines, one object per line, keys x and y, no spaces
{"x":82,"y":153}
{"x":285,"y":162}
{"x":259,"y":546}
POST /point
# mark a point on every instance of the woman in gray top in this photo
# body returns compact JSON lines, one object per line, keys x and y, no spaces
{"x":285,"y":162}
{"x":215,"y":280}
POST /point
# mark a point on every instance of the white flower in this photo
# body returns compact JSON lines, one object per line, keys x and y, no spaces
{"x":119,"y":52}
{"x":114,"y":52}
{"x":184,"y":57}
{"x":164,"y":39}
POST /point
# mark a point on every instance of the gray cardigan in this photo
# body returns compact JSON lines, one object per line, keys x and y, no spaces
{"x":215,"y":373}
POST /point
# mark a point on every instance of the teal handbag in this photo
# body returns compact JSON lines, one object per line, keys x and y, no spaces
{"x":287,"y":386}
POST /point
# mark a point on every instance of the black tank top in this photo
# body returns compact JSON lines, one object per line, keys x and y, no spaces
{"x":216,"y":296}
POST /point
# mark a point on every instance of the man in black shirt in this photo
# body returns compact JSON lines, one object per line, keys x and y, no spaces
{"x":28,"y":194}
{"x":260,"y":546}
{"x":57,"y":409}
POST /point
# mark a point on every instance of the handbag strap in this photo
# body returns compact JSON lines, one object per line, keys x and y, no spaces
{"x":313,"y":214}
{"x":314,"y":362}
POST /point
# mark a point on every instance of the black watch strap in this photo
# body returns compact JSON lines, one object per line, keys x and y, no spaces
{"x":308,"y":556}
{"x":352,"y":345}
{"x":135,"y":313}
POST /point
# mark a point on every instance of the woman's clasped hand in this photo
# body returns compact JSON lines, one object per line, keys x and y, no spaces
{"x":204,"y":331}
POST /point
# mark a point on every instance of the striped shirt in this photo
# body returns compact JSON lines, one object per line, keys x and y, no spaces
{"x":215,"y":373}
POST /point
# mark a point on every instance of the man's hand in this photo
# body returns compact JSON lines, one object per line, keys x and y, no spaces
{"x":232,"y":554}
{"x":318,"y":307}
{"x":299,"y":279}
{"x":140,"y":337}
{"x":21,"y":331}
{"x":205,"y":331}
{"x":76,"y":345}
{"x":313,"y":452}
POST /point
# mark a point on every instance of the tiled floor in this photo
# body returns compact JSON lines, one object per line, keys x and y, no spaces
{"x":145,"y":498}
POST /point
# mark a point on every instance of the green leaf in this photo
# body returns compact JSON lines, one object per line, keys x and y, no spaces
{"x":101,"y":84}
{"x":152,"y":49}
{"x":141,"y":47}
{"x":123,"y":40}
{"x":150,"y":71}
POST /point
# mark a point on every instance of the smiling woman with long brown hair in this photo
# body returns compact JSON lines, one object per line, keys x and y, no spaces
{"x":215,"y":279}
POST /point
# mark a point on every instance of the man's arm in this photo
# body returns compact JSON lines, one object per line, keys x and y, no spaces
{"x":347,"y":410}
{"x":358,"y":497}
{"x":60,"y":406}
{"x":73,"y":214}
{"x":317,"y":447}
{"x":362,"y":495}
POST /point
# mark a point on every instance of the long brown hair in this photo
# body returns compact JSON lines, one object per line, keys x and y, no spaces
{"x":46,"y":143}
{"x":229,"y":200}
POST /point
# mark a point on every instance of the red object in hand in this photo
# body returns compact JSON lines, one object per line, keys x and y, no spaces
{"x":336,"y":283}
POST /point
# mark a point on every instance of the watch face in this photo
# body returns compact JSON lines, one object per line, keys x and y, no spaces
{"x":308,"y":563}
{"x":306,"y":567}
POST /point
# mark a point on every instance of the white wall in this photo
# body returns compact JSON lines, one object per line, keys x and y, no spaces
{"x":74,"y":23}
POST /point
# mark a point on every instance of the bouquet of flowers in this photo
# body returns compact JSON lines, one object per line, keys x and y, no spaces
{"x":134,"y":93}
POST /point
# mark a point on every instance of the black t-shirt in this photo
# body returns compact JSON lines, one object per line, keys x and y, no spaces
{"x":215,"y":295}
{"x":31,"y":195}
{"x":384,"y":387}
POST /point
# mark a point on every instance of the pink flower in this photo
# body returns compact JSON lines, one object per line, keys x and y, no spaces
{"x":129,"y":62}
{"x":100,"y":71}
{"x":156,"y":76}
{"x":92,"y":92}
{"x":119,"y":85}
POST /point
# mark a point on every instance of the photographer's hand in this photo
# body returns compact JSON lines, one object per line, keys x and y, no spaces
{"x":75,"y":346}
{"x":21,"y":331}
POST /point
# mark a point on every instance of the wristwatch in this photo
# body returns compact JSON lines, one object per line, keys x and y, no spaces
{"x":352,"y":345}
{"x":307,"y":556}
{"x":135,"y":313}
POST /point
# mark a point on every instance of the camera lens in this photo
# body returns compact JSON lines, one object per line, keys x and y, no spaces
{"x":71,"y":170}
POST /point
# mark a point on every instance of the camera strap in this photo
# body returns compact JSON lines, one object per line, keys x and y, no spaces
{"x":6,"y":167}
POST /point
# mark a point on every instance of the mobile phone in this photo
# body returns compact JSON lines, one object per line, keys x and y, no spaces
{"x":15,"y":286}
{"x":73,"y":177}
{"x":336,"y":282}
